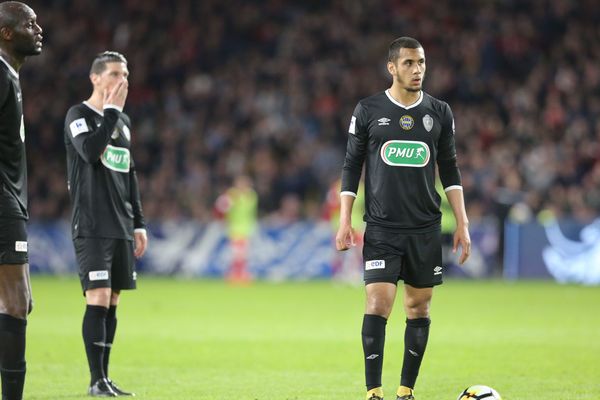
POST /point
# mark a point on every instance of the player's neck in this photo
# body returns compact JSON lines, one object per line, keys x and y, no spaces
{"x":404,"y":96}
{"x":13,"y":61}
{"x":96,"y":101}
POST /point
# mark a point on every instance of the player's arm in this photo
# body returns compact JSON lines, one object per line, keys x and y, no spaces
{"x":139,"y":222}
{"x":355,"y":157}
{"x":90,"y":143}
{"x":344,"y":238}
{"x":452,"y":183}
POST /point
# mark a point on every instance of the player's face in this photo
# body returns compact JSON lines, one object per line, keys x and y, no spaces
{"x":114,"y":72}
{"x":409,"y":69}
{"x":27,"y":34}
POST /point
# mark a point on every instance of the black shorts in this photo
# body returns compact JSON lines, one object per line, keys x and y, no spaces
{"x":415,"y":258}
{"x":105,"y":263}
{"x":13,"y":241}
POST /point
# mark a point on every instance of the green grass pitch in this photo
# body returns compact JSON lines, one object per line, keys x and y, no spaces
{"x":180,"y":339}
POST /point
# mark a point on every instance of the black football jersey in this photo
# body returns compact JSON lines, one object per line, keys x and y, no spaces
{"x":399,"y":146}
{"x":13,"y":162}
{"x":101,"y":176}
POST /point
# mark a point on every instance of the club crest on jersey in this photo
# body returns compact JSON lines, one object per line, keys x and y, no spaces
{"x":407,"y":122}
{"x":428,"y":122}
{"x":405,"y":153}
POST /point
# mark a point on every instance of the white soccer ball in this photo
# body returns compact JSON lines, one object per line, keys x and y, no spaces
{"x":479,"y":392}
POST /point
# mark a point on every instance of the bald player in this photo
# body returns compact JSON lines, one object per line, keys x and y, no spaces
{"x":20,"y":37}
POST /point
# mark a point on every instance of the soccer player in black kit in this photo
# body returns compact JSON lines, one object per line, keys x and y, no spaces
{"x":20,"y":37}
{"x":108,"y":225}
{"x":400,"y":135}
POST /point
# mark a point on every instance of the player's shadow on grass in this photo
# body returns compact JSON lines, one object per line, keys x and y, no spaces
{"x":60,"y":396}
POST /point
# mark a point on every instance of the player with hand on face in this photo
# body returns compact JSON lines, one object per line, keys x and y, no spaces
{"x":108,"y":225}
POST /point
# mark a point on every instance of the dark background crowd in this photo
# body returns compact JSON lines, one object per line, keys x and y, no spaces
{"x":266,"y":88}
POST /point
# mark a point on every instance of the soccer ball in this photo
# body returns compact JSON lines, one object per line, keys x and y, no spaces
{"x":479,"y":392}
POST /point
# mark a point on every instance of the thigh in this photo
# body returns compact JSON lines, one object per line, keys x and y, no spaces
{"x":94,"y":259}
{"x":383,"y":257}
{"x":13,"y":241}
{"x":15,"y":290}
{"x":423,"y":262}
{"x":123,"y":271}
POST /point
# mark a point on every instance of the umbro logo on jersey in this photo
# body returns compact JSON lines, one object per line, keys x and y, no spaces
{"x":384,"y":121}
{"x":437,"y":270}
{"x":372,"y":356}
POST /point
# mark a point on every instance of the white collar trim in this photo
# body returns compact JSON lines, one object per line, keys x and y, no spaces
{"x":413,"y":105}
{"x":10,"y":68}
{"x":87,"y":103}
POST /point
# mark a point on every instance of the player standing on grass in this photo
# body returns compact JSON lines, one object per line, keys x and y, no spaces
{"x":399,"y":133}
{"x":107,"y":211}
{"x":20,"y":37}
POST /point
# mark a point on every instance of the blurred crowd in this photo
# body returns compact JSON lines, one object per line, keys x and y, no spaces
{"x":266,"y":89}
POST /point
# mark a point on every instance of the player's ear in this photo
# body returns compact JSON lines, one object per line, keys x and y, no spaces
{"x":6,"y":33}
{"x":95,"y":79}
{"x":391,"y":67}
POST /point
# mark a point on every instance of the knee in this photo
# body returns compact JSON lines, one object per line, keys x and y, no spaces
{"x":417,"y":309}
{"x":98,"y":297}
{"x":19,"y":311}
{"x":379,"y":306}
{"x":17,"y":306}
{"x":114,"y":298}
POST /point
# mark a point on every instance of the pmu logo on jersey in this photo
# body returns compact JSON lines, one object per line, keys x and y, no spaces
{"x":407,"y":122}
{"x":116,"y":158}
{"x":405,"y":153}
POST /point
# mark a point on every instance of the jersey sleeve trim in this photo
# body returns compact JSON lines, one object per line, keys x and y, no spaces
{"x":348,"y":193}
{"x":453,"y":187}
{"x":107,"y":106}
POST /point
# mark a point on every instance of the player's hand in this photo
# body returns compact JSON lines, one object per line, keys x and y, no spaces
{"x":462,"y":238}
{"x":117,"y":95}
{"x":344,"y":238}
{"x":141,"y":242}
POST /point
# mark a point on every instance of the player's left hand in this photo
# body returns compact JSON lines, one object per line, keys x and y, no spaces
{"x":141,"y":242}
{"x":462,"y":238}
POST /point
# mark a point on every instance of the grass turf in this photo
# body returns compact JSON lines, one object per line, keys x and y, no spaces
{"x":301,"y":341}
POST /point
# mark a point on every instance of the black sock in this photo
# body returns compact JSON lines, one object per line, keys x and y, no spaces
{"x":12,"y":356}
{"x":415,"y":342}
{"x":111,"y":328}
{"x":94,"y":338}
{"x":373,"y":339}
